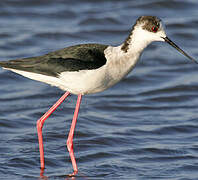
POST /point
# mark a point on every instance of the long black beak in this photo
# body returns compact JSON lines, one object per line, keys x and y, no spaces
{"x":179,"y":49}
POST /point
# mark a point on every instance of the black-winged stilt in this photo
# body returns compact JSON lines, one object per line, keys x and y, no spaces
{"x":88,"y":68}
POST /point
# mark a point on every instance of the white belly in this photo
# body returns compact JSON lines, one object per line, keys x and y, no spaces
{"x":86,"y":81}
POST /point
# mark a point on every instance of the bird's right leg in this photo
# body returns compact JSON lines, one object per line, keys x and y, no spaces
{"x":71,"y":135}
{"x":40,"y":124}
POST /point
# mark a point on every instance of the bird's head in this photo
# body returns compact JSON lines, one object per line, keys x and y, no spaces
{"x":148,"y":29}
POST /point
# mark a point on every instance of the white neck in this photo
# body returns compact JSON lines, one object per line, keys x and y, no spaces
{"x":137,"y":41}
{"x":122,"y":61}
{"x":130,"y":51}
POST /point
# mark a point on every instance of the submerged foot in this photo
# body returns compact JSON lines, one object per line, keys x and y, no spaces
{"x":73,"y":174}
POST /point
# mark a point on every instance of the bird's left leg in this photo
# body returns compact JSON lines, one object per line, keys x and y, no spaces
{"x":40,"y":124}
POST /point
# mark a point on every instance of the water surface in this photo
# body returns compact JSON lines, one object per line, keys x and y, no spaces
{"x":146,"y":127}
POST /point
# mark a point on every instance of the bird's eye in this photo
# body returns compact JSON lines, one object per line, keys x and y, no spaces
{"x":155,"y":29}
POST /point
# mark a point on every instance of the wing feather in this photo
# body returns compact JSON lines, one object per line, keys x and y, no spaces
{"x":73,"y":58}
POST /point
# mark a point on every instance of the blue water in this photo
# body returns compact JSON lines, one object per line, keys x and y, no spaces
{"x":146,"y":127}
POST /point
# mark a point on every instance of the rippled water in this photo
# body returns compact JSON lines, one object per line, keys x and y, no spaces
{"x":146,"y":127}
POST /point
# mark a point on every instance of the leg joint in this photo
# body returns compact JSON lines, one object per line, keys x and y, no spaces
{"x":69,"y":145}
{"x":39,"y":125}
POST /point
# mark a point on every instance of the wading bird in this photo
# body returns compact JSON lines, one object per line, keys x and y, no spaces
{"x":88,"y":68}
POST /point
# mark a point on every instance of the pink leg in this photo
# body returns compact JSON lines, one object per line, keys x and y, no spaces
{"x":71,"y":135}
{"x":40,"y":124}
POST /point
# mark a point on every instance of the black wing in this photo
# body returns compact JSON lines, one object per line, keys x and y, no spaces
{"x":73,"y":58}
